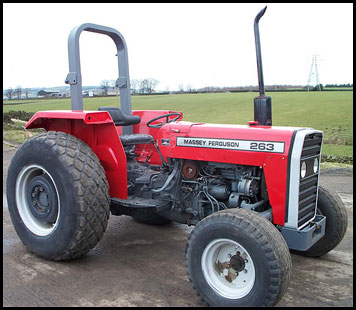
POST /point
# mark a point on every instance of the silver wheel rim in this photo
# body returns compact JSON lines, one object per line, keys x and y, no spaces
{"x":35,"y":226}
{"x":217,"y":263}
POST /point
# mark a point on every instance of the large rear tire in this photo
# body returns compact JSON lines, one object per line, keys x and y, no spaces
{"x":238,"y":258}
{"x":57,"y":196}
{"x":331,"y":206}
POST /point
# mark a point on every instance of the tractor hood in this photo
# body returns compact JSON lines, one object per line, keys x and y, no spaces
{"x":240,"y":144}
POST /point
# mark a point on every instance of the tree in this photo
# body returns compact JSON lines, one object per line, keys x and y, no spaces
{"x":181,"y":87}
{"x":26,"y":92}
{"x":9,"y":93}
{"x":135,"y":85}
{"x":18,"y":92}
{"x":147,"y":86}
{"x":112,"y":84}
{"x":318,"y":87}
{"x":104,"y":85}
{"x":151,"y":85}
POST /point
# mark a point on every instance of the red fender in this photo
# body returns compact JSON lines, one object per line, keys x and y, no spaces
{"x":98,"y":131}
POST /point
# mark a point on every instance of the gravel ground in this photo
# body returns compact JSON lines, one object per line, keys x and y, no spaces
{"x":140,"y":265}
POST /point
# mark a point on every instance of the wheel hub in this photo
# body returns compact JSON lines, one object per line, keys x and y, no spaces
{"x":228,"y":268}
{"x":42,"y":199}
{"x":237,"y":262}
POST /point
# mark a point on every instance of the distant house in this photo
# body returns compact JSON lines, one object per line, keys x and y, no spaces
{"x":89,"y":93}
{"x":50,"y":94}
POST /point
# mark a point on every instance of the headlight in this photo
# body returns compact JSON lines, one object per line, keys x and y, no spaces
{"x":303,"y":169}
{"x":316,"y":165}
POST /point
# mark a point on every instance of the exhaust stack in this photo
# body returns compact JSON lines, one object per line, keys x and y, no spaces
{"x":262,"y":103}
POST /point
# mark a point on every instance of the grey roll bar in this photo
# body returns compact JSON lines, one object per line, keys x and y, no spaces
{"x":74,"y":77}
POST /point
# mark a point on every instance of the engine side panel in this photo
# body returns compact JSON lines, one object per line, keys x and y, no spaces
{"x":262,"y":146}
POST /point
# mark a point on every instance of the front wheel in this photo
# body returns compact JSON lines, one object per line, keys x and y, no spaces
{"x":331,"y":206}
{"x":237,"y":258}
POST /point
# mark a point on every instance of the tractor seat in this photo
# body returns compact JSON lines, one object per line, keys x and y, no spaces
{"x":137,"y":138}
{"x":121,"y":119}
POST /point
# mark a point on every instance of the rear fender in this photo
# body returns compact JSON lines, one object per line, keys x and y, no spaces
{"x":98,"y":131}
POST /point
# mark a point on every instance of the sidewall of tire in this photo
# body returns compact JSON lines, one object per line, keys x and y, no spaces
{"x":267,"y":270}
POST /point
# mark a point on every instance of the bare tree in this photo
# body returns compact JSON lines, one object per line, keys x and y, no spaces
{"x":112,"y":84}
{"x":142,"y":86}
{"x":104,"y":85}
{"x":18,"y":92}
{"x":135,"y":85}
{"x":27,"y":91}
{"x":189,"y":88}
{"x":147,"y":86}
{"x":151,"y":85}
{"x":181,"y":87}
{"x":9,"y":92}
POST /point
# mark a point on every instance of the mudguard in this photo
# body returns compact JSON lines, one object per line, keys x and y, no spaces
{"x":98,"y":131}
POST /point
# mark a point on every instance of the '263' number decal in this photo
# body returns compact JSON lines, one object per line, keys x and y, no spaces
{"x":262,"y":146}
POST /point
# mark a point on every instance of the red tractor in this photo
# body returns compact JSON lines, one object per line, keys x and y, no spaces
{"x":252,"y":191}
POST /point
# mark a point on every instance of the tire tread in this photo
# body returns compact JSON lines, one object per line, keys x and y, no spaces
{"x":91,"y":189}
{"x":266,"y":235}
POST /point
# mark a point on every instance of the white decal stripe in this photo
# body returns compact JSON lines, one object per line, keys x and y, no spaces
{"x":232,"y":144}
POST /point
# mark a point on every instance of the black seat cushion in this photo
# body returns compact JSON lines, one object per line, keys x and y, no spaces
{"x":120,"y":118}
{"x":136,"y":139}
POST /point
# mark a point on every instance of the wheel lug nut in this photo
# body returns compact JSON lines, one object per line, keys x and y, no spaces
{"x":246,"y":261}
{"x":245,"y":271}
{"x":41,"y":189}
{"x":34,"y":203}
{"x":36,"y":188}
{"x":33,"y":194}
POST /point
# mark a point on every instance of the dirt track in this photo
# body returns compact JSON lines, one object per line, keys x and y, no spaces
{"x":140,"y":265}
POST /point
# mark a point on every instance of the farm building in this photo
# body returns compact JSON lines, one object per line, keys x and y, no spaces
{"x":50,"y":94}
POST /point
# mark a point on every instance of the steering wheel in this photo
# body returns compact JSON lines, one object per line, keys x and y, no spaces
{"x":159,"y":125}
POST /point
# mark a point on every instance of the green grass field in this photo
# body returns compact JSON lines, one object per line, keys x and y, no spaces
{"x":331,"y":112}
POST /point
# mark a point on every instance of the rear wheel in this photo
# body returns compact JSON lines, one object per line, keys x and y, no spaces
{"x":237,"y":258}
{"x":57,"y":196}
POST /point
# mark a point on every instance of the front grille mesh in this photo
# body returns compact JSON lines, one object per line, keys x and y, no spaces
{"x":308,"y":186}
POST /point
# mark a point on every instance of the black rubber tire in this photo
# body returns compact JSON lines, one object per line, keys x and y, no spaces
{"x":82,"y":190}
{"x":147,"y":216}
{"x":267,"y":247}
{"x":331,"y":206}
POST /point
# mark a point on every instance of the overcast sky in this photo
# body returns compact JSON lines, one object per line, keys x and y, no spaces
{"x":196,"y":44}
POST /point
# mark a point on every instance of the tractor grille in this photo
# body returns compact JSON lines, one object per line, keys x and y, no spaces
{"x":308,"y":186}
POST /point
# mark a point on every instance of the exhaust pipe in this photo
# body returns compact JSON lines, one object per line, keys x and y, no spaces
{"x":262,"y":103}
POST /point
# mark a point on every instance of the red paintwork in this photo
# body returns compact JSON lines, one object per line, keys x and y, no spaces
{"x":274,"y":164}
{"x":148,"y":150}
{"x":99,"y":132}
